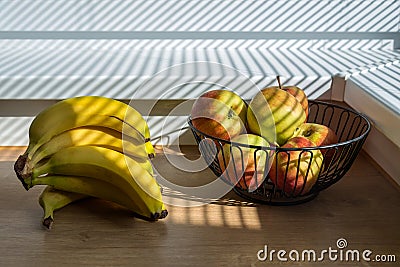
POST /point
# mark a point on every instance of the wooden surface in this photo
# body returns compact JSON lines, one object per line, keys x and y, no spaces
{"x":363,"y":208}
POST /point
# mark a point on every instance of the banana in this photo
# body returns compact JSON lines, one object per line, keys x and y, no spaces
{"x":89,"y":105}
{"x":88,"y":120}
{"x":83,"y":111}
{"x":52,"y":199}
{"x":107,"y":165}
{"x":24,"y":165}
{"x":86,"y":186}
{"x":96,"y":136}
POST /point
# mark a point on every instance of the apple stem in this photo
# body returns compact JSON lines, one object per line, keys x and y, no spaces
{"x":279,"y":81}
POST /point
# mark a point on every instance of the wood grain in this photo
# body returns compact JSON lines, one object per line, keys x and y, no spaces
{"x":363,"y":208}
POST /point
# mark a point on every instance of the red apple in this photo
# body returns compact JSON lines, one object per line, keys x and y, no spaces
{"x":320,"y":135}
{"x":244,"y":166}
{"x":295,"y":172}
{"x":220,"y":113}
{"x":274,"y":114}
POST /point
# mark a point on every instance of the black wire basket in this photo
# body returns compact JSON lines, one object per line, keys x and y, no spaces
{"x":350,"y":127}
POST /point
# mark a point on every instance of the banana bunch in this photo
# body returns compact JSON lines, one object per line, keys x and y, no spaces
{"x":91,"y":146}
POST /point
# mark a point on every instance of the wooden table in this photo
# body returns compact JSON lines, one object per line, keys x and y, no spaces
{"x":363,"y":208}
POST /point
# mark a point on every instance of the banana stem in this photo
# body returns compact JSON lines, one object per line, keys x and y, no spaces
{"x":22,"y":171}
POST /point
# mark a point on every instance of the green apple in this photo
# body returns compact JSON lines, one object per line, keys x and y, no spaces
{"x":274,"y":114}
{"x":220,"y":113}
{"x":244,"y":166}
{"x":296,"y":171}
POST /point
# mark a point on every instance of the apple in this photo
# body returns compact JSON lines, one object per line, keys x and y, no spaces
{"x":320,"y":135}
{"x":274,"y":114}
{"x":296,"y":171}
{"x":245,"y":166}
{"x":220,"y":113}
{"x":297,"y":92}
{"x":300,"y":95}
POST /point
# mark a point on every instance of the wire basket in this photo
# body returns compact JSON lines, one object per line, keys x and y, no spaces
{"x":351,"y":128}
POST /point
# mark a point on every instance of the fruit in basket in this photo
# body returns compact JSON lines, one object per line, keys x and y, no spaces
{"x":320,"y":135}
{"x":219,"y":113}
{"x":245,"y":166}
{"x":274,"y":114}
{"x":90,"y":147}
{"x":295,"y":172}
{"x":300,"y":95}
{"x":297,"y":92}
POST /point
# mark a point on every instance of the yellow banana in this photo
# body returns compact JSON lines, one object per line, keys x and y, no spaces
{"x":85,"y":111}
{"x":87,"y":186}
{"x":26,"y":161}
{"x":87,"y":120}
{"x":96,"y":136}
{"x":109,"y":166}
{"x":52,"y":199}
{"x":86,"y":105}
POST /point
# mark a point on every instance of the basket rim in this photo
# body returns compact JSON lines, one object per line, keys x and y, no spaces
{"x":278,"y":148}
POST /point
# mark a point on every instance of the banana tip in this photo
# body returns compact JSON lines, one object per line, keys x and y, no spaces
{"x":153,"y":217}
{"x":164,"y":214}
{"x":156,"y":216}
{"x":48,"y":222}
